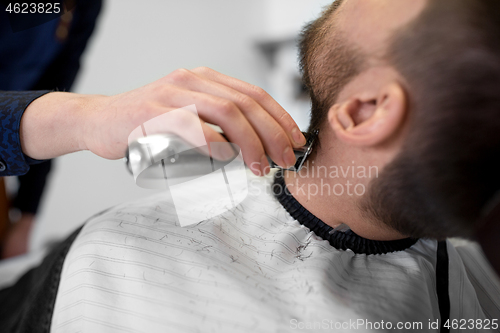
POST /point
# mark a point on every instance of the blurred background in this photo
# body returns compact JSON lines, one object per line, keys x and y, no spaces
{"x":138,"y":42}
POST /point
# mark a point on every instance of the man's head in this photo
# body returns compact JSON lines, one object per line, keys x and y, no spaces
{"x":413,"y":87}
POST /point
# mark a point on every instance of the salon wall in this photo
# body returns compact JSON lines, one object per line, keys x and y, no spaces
{"x":138,"y":42}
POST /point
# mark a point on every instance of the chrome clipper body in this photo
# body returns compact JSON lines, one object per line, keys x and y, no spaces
{"x":168,"y":156}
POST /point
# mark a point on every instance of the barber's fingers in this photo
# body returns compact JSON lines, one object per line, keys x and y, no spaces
{"x":261,"y":97}
{"x":219,"y":111}
{"x":270,"y":132}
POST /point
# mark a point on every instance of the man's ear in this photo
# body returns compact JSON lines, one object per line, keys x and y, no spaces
{"x":370,"y":120}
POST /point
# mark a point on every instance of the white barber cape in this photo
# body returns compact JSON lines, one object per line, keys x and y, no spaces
{"x":254,"y":269}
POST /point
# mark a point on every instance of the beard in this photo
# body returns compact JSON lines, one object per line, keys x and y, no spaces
{"x":327,"y":73}
{"x":410,"y":197}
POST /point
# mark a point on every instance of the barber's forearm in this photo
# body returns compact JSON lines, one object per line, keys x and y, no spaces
{"x":53,"y":125}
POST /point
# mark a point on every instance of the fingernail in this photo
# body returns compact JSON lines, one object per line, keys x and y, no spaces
{"x":255,"y":170}
{"x":298,"y":137}
{"x":264,"y":165}
{"x":289,"y":157}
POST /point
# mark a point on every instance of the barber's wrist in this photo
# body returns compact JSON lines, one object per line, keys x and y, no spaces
{"x":91,"y":108}
{"x":53,"y":125}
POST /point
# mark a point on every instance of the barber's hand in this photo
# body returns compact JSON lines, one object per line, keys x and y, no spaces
{"x":249,"y":117}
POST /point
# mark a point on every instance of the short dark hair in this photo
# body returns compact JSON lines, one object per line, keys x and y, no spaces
{"x":327,"y":63}
{"x":449,"y":165}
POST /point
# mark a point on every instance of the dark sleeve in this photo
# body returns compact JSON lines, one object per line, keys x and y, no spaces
{"x":12,"y":107}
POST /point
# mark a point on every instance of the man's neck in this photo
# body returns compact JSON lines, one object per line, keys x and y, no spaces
{"x":324,"y":192}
